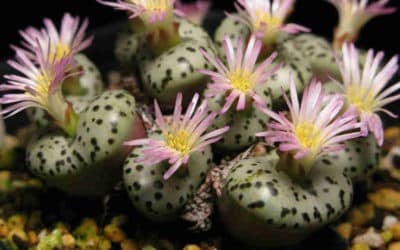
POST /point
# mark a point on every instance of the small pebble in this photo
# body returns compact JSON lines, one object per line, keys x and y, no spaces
{"x":370,"y":238}
{"x":20,"y":233}
{"x":16,"y":221}
{"x":33,"y":238}
{"x":394,"y":246}
{"x":149,"y":247}
{"x":387,"y":236}
{"x":68,"y":240}
{"x":389,"y":221}
{"x":360,"y":215}
{"x":396,"y":231}
{"x":385,"y":198}
{"x":344,"y":230}
{"x":114,"y":233}
{"x":3,"y":229}
{"x":392,"y":138}
{"x":360,"y":246}
{"x":191,"y":247}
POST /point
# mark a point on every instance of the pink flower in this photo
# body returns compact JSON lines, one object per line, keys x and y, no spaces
{"x":237,"y":80}
{"x":363,"y":89}
{"x":266,"y":17}
{"x":150,"y":11}
{"x":354,"y":14}
{"x":196,"y":11}
{"x":55,"y":44}
{"x":39,"y":84}
{"x":181,"y":138}
{"x":314,"y":127}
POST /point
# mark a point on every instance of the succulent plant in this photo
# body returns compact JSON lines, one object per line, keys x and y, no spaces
{"x":363,"y":90}
{"x":76,"y":157}
{"x":84,"y":82}
{"x":228,"y":96}
{"x":282,"y":198}
{"x":88,"y":83}
{"x":194,"y":12}
{"x":231,"y":27}
{"x":262,"y":205}
{"x":88,"y":163}
{"x":236,"y":92}
{"x":79,"y":90}
{"x":159,"y":199}
{"x":295,"y":66}
{"x":244,"y":124}
{"x":165,"y":48}
{"x":252,"y":18}
{"x":162,"y":175}
{"x":319,"y":53}
{"x":126,"y":49}
{"x":360,"y":158}
{"x":353,"y":15}
{"x":175,"y":70}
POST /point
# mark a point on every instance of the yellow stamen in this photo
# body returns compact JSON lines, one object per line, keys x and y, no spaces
{"x":153,"y":5}
{"x":60,"y":51}
{"x":242,"y":80}
{"x":179,"y":141}
{"x":265,"y":18}
{"x":361,"y":98}
{"x":308,"y":136}
{"x":42,"y":88}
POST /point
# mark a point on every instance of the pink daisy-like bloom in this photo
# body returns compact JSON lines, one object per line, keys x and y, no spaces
{"x":239,"y":78}
{"x":266,"y":17}
{"x":196,"y":11}
{"x":149,"y":11}
{"x":364,"y":89}
{"x":314,"y":127}
{"x":354,"y":14}
{"x":68,"y":41}
{"x":39,"y":82}
{"x":181,"y":138}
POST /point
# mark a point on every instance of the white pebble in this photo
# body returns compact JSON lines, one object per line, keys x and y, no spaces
{"x":370,"y":238}
{"x":389,"y":221}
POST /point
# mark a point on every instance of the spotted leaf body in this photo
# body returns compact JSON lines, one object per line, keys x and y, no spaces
{"x":359,"y":159}
{"x":243,"y":124}
{"x":263,"y":206}
{"x":176,"y":71}
{"x":90,"y":85}
{"x":295,"y":65}
{"x":232,"y":28}
{"x":319,"y":53}
{"x":90,"y":163}
{"x":159,"y":199}
{"x":126,"y":48}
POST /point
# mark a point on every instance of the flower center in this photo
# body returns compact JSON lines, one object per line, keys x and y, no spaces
{"x":179,"y":141}
{"x":264,"y":18}
{"x":361,"y":98}
{"x":308,"y":135}
{"x":153,"y":5}
{"x":242,"y":80}
{"x":60,"y":51}
{"x":42,"y":87}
